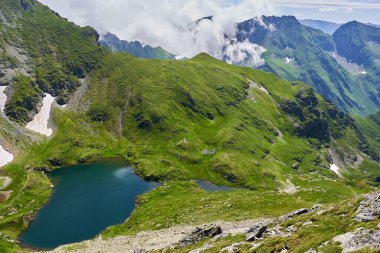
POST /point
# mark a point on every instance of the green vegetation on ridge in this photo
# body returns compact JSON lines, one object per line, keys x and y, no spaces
{"x":56,"y":53}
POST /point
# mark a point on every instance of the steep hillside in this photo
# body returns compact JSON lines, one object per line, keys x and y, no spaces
{"x":358,"y":43}
{"x":135,"y":48}
{"x":370,"y":126}
{"x":298,"y":52}
{"x":41,"y":53}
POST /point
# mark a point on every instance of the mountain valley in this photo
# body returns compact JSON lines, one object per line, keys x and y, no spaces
{"x":277,"y":145}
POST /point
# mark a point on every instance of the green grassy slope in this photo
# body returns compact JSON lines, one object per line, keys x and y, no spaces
{"x":177,"y":121}
{"x":161,"y":116}
{"x":370,"y":126}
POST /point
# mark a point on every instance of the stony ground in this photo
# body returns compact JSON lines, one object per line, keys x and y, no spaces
{"x":155,"y":240}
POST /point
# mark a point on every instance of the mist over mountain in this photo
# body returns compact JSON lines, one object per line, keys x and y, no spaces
{"x":294,"y":51}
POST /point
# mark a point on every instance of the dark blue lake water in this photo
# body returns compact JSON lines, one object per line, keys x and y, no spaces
{"x":87,"y":199}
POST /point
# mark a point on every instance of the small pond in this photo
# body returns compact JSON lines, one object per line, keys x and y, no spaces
{"x":87,"y":199}
{"x":210,"y":187}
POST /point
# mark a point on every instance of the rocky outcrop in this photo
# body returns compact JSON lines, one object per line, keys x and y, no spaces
{"x":311,"y":122}
{"x":369,"y":208}
{"x":359,"y":239}
{"x":293,"y":214}
{"x":255,"y":232}
{"x":200,"y":234}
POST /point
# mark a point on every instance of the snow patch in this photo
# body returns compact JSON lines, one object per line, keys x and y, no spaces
{"x":5,"y":157}
{"x":288,"y":60}
{"x":263,"y":89}
{"x":335,"y":169}
{"x":363,"y":72}
{"x":4,"y":182}
{"x":257,"y":86}
{"x":3,"y":98}
{"x":40,"y":122}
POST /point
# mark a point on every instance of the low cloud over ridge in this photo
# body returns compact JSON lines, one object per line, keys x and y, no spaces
{"x":168,"y":23}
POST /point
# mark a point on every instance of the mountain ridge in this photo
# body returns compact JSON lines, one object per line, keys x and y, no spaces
{"x":297,"y":52}
{"x":135,"y":48}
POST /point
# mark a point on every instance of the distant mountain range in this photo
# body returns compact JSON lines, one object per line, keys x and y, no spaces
{"x":343,"y":67}
{"x":325,"y":26}
{"x":135,"y":48}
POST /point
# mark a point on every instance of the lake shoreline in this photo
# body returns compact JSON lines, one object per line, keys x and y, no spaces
{"x":119,"y":162}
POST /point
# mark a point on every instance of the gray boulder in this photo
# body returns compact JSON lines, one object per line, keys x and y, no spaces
{"x":369,"y":208}
{"x":255,"y":232}
{"x":200,"y":234}
{"x":293,"y":214}
{"x":359,"y":239}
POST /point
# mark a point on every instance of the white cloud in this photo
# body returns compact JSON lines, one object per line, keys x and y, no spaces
{"x":327,"y":5}
{"x":244,"y":54}
{"x":328,"y":9}
{"x":168,"y":23}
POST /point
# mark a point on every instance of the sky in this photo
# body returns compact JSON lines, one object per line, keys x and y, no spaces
{"x":170,"y":23}
{"x":339,"y":11}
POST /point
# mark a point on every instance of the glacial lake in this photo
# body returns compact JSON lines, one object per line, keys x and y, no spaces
{"x":87,"y":198}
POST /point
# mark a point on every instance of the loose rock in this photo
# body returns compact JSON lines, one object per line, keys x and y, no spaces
{"x":359,"y":239}
{"x":369,"y":208}
{"x":255,"y":232}
{"x":199,"y":234}
{"x":293,"y":214}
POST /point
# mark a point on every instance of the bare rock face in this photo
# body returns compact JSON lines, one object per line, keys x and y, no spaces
{"x":359,"y":239}
{"x":199,"y":234}
{"x":369,"y":208}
